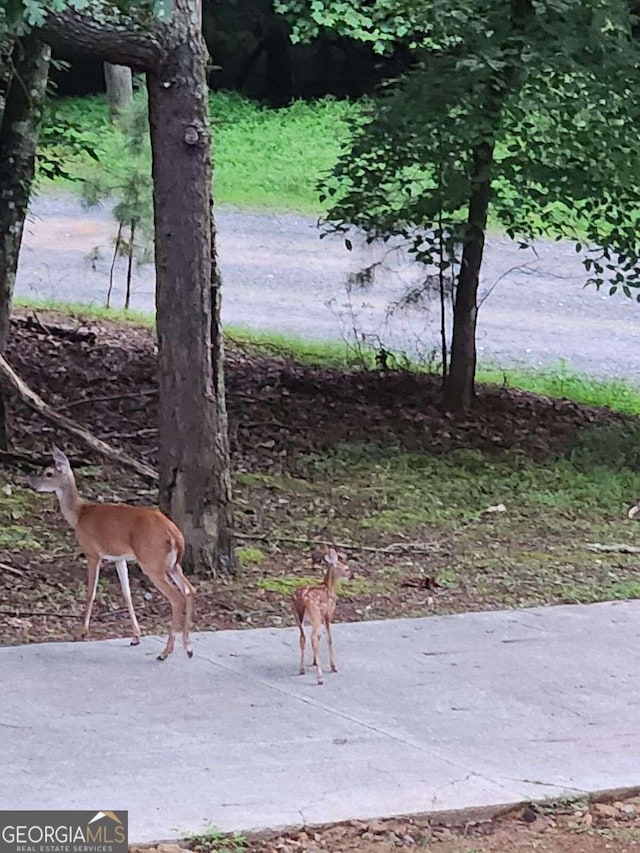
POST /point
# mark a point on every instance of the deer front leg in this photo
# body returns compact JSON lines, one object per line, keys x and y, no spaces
{"x":123,"y":575}
{"x":93,"y":566}
{"x":332,"y":660}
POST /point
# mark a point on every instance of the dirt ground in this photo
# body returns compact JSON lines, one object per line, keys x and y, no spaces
{"x":281,"y":414}
{"x":555,"y":827}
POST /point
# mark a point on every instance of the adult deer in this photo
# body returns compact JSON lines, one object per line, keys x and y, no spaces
{"x":318,"y":604}
{"x":119,"y":532}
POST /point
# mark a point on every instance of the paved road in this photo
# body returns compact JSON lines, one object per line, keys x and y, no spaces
{"x":279,"y":276}
{"x":425,"y":715}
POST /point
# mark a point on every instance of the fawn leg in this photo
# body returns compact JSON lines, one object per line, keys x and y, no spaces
{"x":315,"y":644}
{"x":332,"y":659}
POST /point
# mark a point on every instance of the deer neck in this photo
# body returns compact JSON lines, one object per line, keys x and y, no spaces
{"x":330,"y":582}
{"x":70,"y":503}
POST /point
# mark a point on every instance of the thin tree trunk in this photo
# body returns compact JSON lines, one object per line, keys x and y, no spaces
{"x":116,"y":249}
{"x":195,"y":481}
{"x":132,"y":237}
{"x":18,"y":142}
{"x":119,"y":86}
{"x":459,"y":386}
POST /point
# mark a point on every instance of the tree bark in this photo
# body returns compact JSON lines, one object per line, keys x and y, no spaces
{"x":107,"y":35}
{"x":18,"y":142}
{"x":195,"y":482}
{"x":195,"y":487}
{"x":459,"y":384}
{"x":119,"y":86}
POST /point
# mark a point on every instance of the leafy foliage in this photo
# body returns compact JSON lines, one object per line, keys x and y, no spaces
{"x":60,"y":133}
{"x":550,"y":85}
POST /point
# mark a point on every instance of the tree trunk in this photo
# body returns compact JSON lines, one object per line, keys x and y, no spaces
{"x":459,"y":384}
{"x":18,"y":142}
{"x":119,"y":86}
{"x":195,"y":484}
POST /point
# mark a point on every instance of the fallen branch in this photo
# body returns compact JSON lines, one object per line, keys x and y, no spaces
{"x":19,"y":614}
{"x":68,"y":333}
{"x":36,"y":403}
{"x":612,"y":549}
{"x":107,"y":398}
{"x":347,"y":546}
{"x":6,"y":568}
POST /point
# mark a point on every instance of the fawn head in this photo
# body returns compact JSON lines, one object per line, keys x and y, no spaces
{"x":338,"y":564}
{"x":54,"y":477}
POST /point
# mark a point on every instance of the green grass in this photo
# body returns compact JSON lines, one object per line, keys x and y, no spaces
{"x":402,"y":491}
{"x":560,"y":382}
{"x":533,"y":553}
{"x":77,"y":310}
{"x":264,"y":158}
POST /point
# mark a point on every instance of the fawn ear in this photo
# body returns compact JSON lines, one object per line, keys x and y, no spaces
{"x":61,"y":462}
{"x":331,"y":557}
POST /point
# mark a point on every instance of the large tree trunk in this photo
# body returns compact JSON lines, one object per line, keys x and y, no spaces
{"x":459,"y":384}
{"x":194,"y":454}
{"x":195,"y":488}
{"x":18,"y":142}
{"x":119,"y":86}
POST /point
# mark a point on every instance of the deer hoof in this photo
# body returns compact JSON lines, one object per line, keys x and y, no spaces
{"x":189,"y":653}
{"x":135,"y":641}
{"x":163,"y":656}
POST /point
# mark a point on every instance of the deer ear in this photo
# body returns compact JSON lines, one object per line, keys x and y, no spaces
{"x":331,"y":557}
{"x":60,"y":460}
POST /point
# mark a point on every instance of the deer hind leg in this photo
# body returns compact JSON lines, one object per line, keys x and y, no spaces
{"x":315,"y":619}
{"x":303,"y":640}
{"x":316,"y":624}
{"x":176,"y":599}
{"x":332,"y":660}
{"x":92,"y":586}
{"x":123,"y":575}
{"x":188,"y":591}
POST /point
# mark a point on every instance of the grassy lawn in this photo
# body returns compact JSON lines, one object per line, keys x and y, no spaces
{"x":264,"y":158}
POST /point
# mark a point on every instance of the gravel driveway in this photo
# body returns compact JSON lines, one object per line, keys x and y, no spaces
{"x":279,"y":276}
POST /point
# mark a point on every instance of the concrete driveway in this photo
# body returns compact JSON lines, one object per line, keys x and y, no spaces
{"x":429,"y":714}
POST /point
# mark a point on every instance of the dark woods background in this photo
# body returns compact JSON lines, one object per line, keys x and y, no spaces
{"x":251,"y":53}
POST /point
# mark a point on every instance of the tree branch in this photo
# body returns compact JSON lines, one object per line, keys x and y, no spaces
{"x":97,"y":445}
{"x":106,"y":35}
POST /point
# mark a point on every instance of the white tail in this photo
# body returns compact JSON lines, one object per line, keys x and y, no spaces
{"x":119,"y":533}
{"x":318,"y":604}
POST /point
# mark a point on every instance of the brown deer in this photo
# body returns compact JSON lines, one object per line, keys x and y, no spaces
{"x":318,"y":604}
{"x":119,"y":533}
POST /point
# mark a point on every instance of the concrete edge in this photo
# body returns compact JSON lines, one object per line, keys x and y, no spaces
{"x":448,"y":817}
